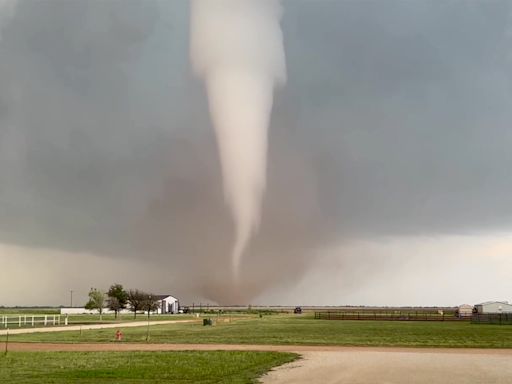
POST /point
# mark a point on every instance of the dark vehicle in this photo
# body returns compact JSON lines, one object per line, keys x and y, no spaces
{"x":185,"y":310}
{"x":297,"y":310}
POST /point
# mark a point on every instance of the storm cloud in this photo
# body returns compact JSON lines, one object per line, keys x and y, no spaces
{"x":395,"y":123}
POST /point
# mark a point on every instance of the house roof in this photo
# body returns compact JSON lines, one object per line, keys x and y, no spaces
{"x":163,"y":297}
{"x":496,"y":302}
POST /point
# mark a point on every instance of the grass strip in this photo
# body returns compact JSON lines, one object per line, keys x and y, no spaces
{"x":138,"y":367}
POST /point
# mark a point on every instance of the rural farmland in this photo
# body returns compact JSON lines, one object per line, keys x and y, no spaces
{"x":257,"y":342}
{"x":285,"y":329}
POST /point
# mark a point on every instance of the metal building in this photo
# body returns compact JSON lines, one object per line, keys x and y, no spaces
{"x":494,"y":307}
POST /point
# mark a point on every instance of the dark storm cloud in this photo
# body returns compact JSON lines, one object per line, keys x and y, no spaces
{"x":407,"y":109}
{"x":395,"y":121}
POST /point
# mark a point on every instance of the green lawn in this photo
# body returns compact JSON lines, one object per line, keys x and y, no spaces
{"x":138,"y":367}
{"x":280,"y":329}
{"x":32,"y":311}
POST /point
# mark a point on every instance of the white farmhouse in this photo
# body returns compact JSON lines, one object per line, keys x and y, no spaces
{"x":167,"y":304}
{"x":494,"y":307}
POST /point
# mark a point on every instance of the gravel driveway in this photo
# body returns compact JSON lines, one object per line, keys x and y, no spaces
{"x":396,"y":367}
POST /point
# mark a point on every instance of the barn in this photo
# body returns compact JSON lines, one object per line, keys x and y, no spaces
{"x":167,"y":304}
{"x":494,"y":307}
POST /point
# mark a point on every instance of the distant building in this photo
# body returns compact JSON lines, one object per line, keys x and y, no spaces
{"x":168,"y":304}
{"x":494,"y":307}
{"x":464,"y":310}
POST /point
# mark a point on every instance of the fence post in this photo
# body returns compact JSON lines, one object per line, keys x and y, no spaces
{"x":6,"y":341}
{"x":45,"y":320}
{"x":25,"y":320}
{"x":54,"y":322}
{"x":33,"y":320}
{"x":19,"y":321}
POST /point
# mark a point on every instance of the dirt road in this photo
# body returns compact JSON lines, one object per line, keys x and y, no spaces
{"x":397,"y":367}
{"x":300,"y":349}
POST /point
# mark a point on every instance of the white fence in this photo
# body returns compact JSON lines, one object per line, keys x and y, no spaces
{"x":7,"y":321}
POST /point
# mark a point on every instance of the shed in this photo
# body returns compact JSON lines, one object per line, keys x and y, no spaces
{"x":494,"y":307}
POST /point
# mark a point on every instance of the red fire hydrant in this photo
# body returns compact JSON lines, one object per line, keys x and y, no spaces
{"x":119,"y":335}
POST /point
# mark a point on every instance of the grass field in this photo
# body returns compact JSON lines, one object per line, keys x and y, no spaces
{"x":282,"y":329}
{"x":31,"y":311}
{"x":138,"y":367}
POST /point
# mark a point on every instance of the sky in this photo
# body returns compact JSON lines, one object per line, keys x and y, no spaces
{"x":389,"y":162}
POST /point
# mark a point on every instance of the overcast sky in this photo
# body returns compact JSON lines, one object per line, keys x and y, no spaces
{"x":389,"y":175}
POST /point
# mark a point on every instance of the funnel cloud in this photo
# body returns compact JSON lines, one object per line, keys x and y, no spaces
{"x":237,"y":47}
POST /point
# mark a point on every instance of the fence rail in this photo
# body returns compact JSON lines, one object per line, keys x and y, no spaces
{"x":492,"y":318}
{"x":28,"y":320}
{"x":390,"y":316}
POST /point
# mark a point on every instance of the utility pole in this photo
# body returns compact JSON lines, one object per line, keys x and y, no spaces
{"x":71,"y":291}
{"x":149,"y":309}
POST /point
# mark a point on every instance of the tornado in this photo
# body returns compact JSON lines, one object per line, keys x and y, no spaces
{"x":237,"y":49}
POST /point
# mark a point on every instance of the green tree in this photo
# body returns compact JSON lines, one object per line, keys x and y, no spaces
{"x":151,"y":303}
{"x":96,"y":301}
{"x":136,"y":299}
{"x":117,"y":298}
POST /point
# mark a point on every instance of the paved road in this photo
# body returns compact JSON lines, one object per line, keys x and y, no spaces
{"x":397,"y":367}
{"x":85,"y":327}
